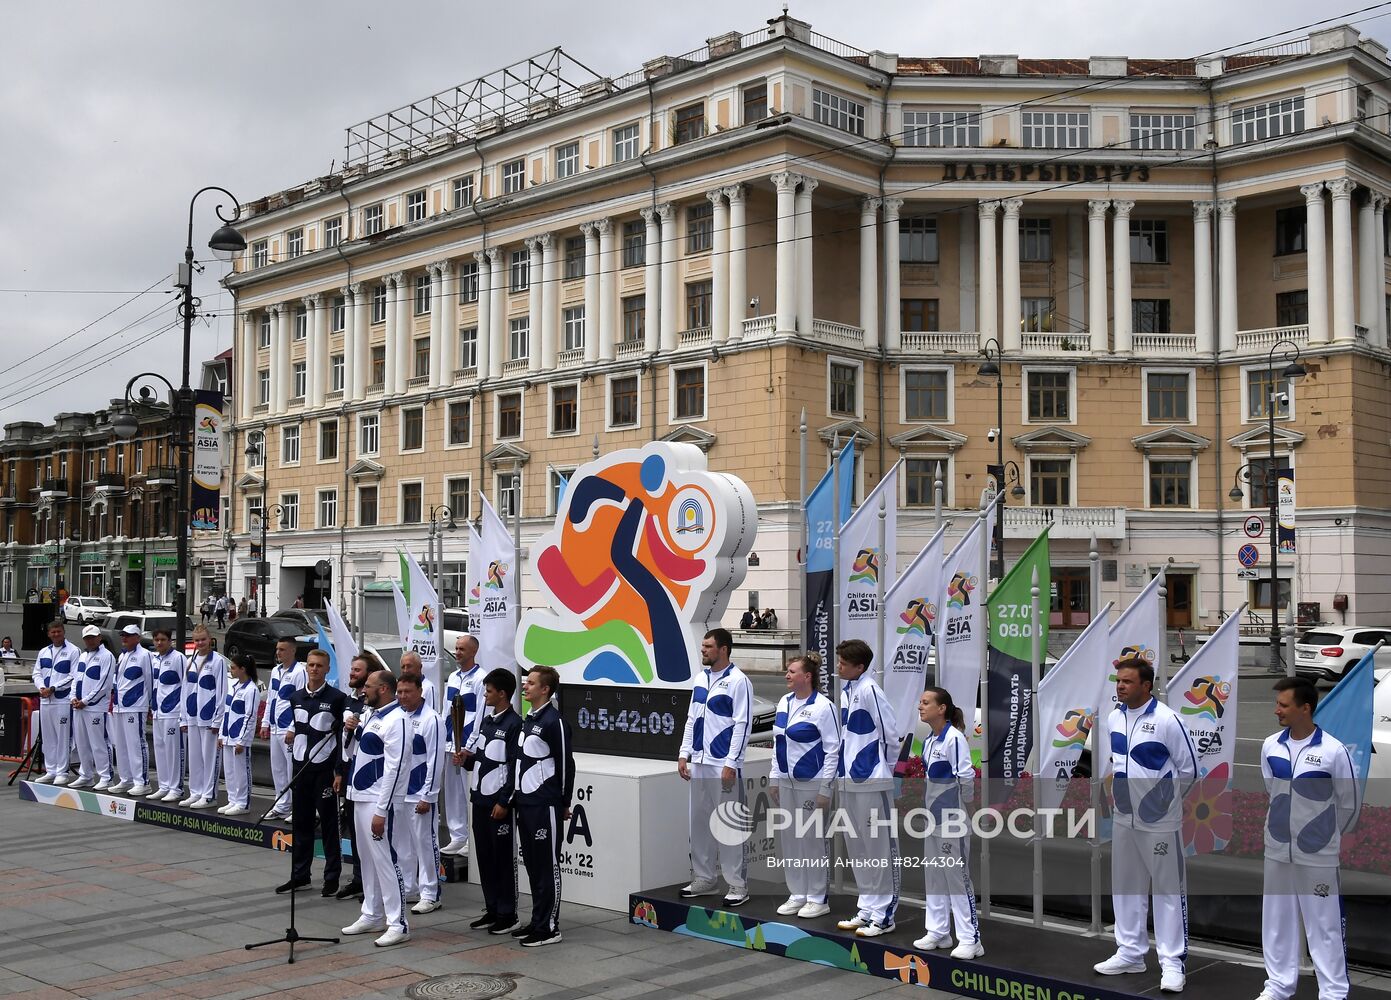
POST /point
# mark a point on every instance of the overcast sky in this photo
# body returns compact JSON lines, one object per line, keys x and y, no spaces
{"x":114,"y":114}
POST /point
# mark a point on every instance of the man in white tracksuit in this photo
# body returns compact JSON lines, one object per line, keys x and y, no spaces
{"x":1314,"y":799}
{"x":53,"y":675}
{"x":168,"y":668}
{"x":205,"y":701}
{"x":287,"y":675}
{"x":1152,"y":765}
{"x":91,"y":695}
{"x":134,"y":678}
{"x":421,"y":858}
{"x":466,"y":683}
{"x":712,"y":760}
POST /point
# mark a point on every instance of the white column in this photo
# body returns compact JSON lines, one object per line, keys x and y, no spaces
{"x":245,"y":362}
{"x":786,"y":184}
{"x":281,"y":361}
{"x":1120,"y":280}
{"x":449,"y":322}
{"x":535,"y":306}
{"x":608,"y":289}
{"x":869,"y":272}
{"x":985,"y":279}
{"x":484,"y":338}
{"x":670,"y":329}
{"x":362,"y":357}
{"x":1202,"y":276}
{"x":738,"y":265}
{"x":1367,"y":262}
{"x":805,"y":303}
{"x":1316,"y":246}
{"x":1226,"y":267}
{"x":592,"y":266}
{"x":395,"y":332}
{"x":317,"y":352}
{"x":550,"y":300}
{"x":497,"y":333}
{"x":1343,"y":306}
{"x":1096,"y":276}
{"x":719,"y":269}
{"x":893,"y":316}
{"x":1379,"y":267}
{"x":1011,"y":305}
{"x":351,"y":293}
{"x":652,"y":279}
{"x":399,"y":303}
{"x":436,"y":268}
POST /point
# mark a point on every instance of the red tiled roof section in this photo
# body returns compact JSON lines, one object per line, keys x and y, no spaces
{"x":970,"y":66}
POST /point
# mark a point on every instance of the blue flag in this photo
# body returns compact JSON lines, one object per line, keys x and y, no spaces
{"x":1346,"y":712}
{"x":326,"y":644}
{"x":819,"y":526}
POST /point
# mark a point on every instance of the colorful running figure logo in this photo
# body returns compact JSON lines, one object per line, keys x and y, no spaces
{"x":865,"y":568}
{"x":1073,"y":730}
{"x":918,"y":617}
{"x":1138,"y":649}
{"x":425,"y":620}
{"x":959,"y":590}
{"x":497,"y":575}
{"x":1206,"y":696}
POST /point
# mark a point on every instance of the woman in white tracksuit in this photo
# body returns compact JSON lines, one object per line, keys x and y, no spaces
{"x":205,"y":699}
{"x":234,"y":737}
{"x":950,"y":784}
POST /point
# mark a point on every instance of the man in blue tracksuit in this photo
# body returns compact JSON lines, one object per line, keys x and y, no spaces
{"x":492,"y":755}
{"x":53,"y":670}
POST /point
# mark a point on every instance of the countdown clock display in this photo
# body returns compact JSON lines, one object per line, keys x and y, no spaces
{"x":625,"y":721}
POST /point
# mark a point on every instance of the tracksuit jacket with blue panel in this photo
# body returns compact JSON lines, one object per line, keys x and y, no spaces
{"x":869,"y":740}
{"x":806,"y":742}
{"x":380,"y":769}
{"x":205,"y":691}
{"x":93,"y":678}
{"x":951,"y":777}
{"x":426,"y":755}
{"x":134,"y":679}
{"x":494,"y":746}
{"x":53,"y":669}
{"x":168,"y":684}
{"x":280,"y":714}
{"x":545,"y":774}
{"x":468,"y":686}
{"x":721,"y":715}
{"x":239,"y":714}
{"x":1154,"y":763}
{"x":1314,"y":798}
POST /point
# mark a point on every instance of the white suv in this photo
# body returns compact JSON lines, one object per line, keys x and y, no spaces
{"x":85,"y":610}
{"x":1327,"y":652}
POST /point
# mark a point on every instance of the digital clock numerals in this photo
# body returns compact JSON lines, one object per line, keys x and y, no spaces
{"x":626,"y":721}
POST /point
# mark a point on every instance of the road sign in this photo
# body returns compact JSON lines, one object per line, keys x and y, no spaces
{"x":1247,"y":574}
{"x":323,"y":567}
{"x":1248,"y":555}
{"x":1254,"y":526}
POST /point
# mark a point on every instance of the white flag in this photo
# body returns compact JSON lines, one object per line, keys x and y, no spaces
{"x":910,"y":614}
{"x":344,"y":645}
{"x":862,"y":565}
{"x":1068,"y":699}
{"x":424,"y":622}
{"x":497,"y":609}
{"x":1136,"y":633}
{"x":962,"y":637}
{"x":472,"y":580}
{"x":403,"y":617}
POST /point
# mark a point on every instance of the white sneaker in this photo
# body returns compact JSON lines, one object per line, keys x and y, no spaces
{"x":103,"y":785}
{"x":1171,"y":981}
{"x":874,"y":929}
{"x":1117,"y":966}
{"x":188,"y":799}
{"x":853,"y":924}
{"x":43,"y":779}
{"x":455,"y":846}
{"x":120,"y":786}
{"x":158,"y":795}
{"x":175,"y":795}
{"x":235,"y":811}
{"x":63,"y":779}
{"x":967,"y":950}
{"x":201,"y":804}
{"x":811,"y":910}
{"x":137,"y":790}
{"x":223,"y":809}
{"x":1265,"y":996}
{"x":698,"y":889}
{"x":931,"y":942}
{"x":392,"y":936}
{"x":426,"y":906}
{"x":364,"y":926}
{"x":81,"y":783}
{"x":793,"y":905}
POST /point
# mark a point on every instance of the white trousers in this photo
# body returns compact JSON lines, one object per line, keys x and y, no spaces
{"x":1295,"y":892}
{"x":282,"y":769}
{"x":456,"y":799}
{"x":383,"y":884}
{"x":55,"y":725}
{"x":873,"y":852}
{"x":949,"y":894}
{"x":202,"y":762}
{"x":128,"y":740}
{"x":1145,"y":864}
{"x":169,"y":754}
{"x":93,"y":748}
{"x":424,"y":859}
{"x":806,"y":846}
{"x":709,"y":856}
{"x":236,"y":770}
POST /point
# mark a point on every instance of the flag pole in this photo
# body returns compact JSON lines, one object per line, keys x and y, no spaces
{"x":1094,"y":841}
{"x":802,"y":496}
{"x":1036,"y":663}
{"x":1161,"y":655}
{"x":517,"y":576}
{"x":830,"y":665}
{"x":983,"y":699}
{"x":879,"y":596}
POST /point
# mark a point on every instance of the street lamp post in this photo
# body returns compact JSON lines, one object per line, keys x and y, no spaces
{"x":255,"y":446}
{"x":992,"y":366}
{"x":441,"y":520}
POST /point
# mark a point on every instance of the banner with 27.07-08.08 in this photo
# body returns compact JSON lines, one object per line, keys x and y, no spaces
{"x":207,"y":459}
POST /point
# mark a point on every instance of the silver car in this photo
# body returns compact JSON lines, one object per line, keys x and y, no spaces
{"x":1328,"y":652}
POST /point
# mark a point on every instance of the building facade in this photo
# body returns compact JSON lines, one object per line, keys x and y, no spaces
{"x":505,"y":278}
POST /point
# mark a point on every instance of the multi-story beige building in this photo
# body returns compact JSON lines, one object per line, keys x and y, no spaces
{"x":517,"y":269}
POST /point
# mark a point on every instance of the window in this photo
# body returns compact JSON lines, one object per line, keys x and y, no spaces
{"x":255,"y":460}
{"x":919,"y":481}
{"x":264,"y":340}
{"x":755,"y":102}
{"x":625,"y":142}
{"x":623,"y":401}
{"x":1161,"y":131}
{"x":1149,"y":315}
{"x":254,"y":513}
{"x":1049,"y":395}
{"x":1289,"y":231}
{"x":458,"y":497}
{"x":139,"y":458}
{"x":289,"y":511}
{"x":412,"y":503}
{"x":1261,"y":385}
{"x":338,"y":315}
{"x":294,"y":242}
{"x":415,"y":206}
{"x":120,"y":464}
{"x":460,"y":423}
{"x":844,"y":385}
{"x":634,"y":319}
{"x":565,"y":401}
{"x":468,"y":282}
{"x":336,"y":370}
{"x":1050,"y":482}
{"x":1171,"y":482}
{"x":1057,"y":129}
{"x":373,"y":219}
{"x":1167,"y":397}
{"x":838,"y":112}
{"x":368,"y":434}
{"x":918,"y":315}
{"x":1262,"y":474}
{"x":1037,"y":315}
{"x":572,"y":318}
{"x":328,"y":440}
{"x":567,"y":160}
{"x":688,"y":395}
{"x":1268,"y":120}
{"x":463,"y":191}
{"x":917,"y":239}
{"x":1036,"y":240}
{"x":689,"y":123}
{"x":289,"y":444}
{"x":422,"y":358}
{"x":700,"y":227}
{"x":1260,"y":592}
{"x":519,"y":271}
{"x":412,"y":428}
{"x":634,"y":244}
{"x":1149,"y":241}
{"x":468,"y":347}
{"x":301,"y":379}
{"x":263,"y":387}
{"x":508,"y":487}
{"x":260,"y":253}
{"x":518,"y":335}
{"x":941,"y":128}
{"x":560,"y":482}
{"x":1292,"y":308}
{"x":333,"y":231}
{"x":379,"y":304}
{"x":367,"y":506}
{"x":328,"y":509}
{"x":422,"y":294}
{"x":509,"y":415}
{"x":574,"y":258}
{"x":925,"y":394}
{"x":513,"y":176}
{"x":698,"y":299}
{"x":301,"y":323}
{"x":379,"y":366}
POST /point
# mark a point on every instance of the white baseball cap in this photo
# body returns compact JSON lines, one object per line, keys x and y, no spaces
{"x":129,"y":630}
{"x":90,"y":630}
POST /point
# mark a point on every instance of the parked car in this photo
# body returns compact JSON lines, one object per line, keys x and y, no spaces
{"x":258,"y":636}
{"x":147,"y":621}
{"x":306,"y":618}
{"x":1329,"y":651}
{"x":86,"y":610}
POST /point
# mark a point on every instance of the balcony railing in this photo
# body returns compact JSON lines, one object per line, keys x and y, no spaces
{"x":161,"y":475}
{"x":1055,"y":343}
{"x":632,"y":349}
{"x":841,"y":334}
{"x":941,"y":342}
{"x":570,"y":358}
{"x":1171,"y":344}
{"x":515,"y":366}
{"x":110,"y":482}
{"x":1066,"y":522}
{"x":695,"y":336}
{"x":416,"y":381}
{"x":53,"y":489}
{"x":468,"y":374}
{"x":1264,"y":340}
{"x":8,"y":497}
{"x":760,"y":326}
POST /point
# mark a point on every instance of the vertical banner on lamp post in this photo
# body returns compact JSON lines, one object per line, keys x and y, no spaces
{"x":1011,"y":665}
{"x":1284,"y":492}
{"x":207,"y":459}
